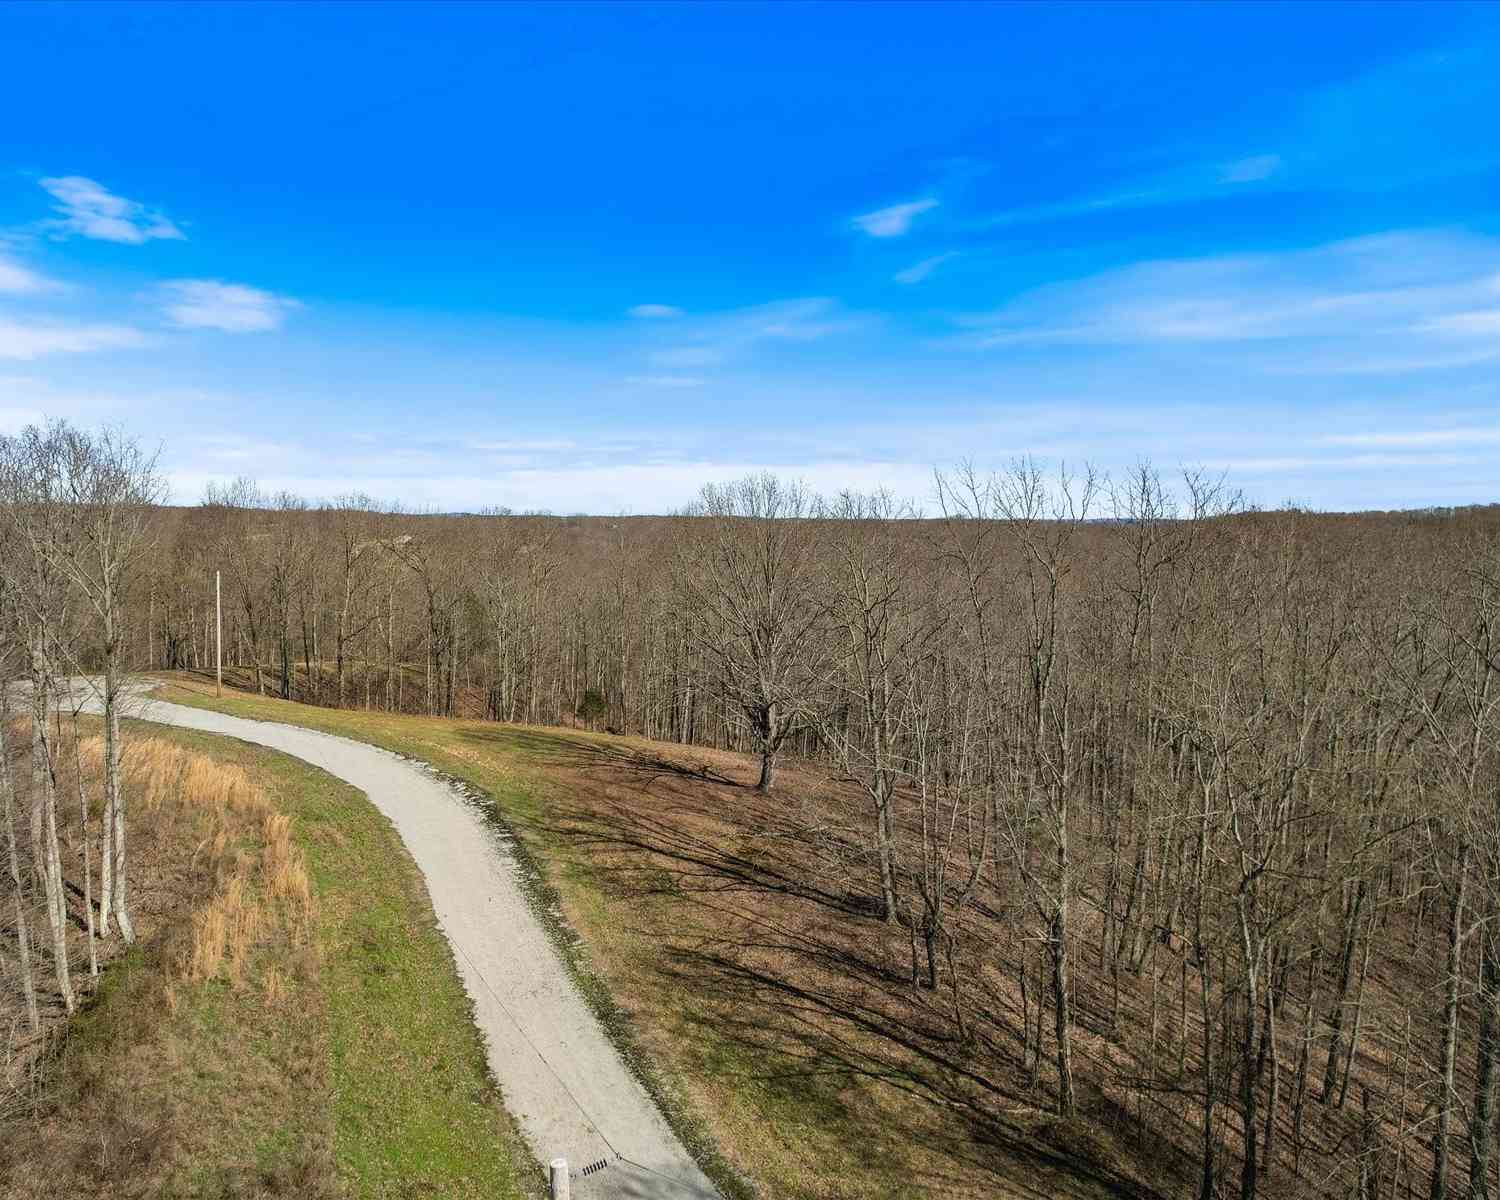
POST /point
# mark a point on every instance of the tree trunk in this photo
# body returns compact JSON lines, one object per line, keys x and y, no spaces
{"x":1336,"y":1014}
{"x":1273,"y":1098}
{"x":884,"y":841}
{"x":767,"y":769}
{"x":1250,"y":1053}
{"x":1359,"y":1010}
{"x":23,"y":937}
{"x":1483,"y":1126}
{"x":119,"y":897}
{"x":88,"y":873}
{"x":106,"y":851}
{"x":44,"y":820}
{"x":1439,"y":1186}
{"x":1062,"y":1010}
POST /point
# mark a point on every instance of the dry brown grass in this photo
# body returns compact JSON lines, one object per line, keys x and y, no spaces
{"x":344,"y":1060}
{"x":221,"y":899}
{"x":261,"y":884}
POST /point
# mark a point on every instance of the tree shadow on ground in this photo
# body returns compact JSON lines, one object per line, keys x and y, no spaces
{"x":797,"y":981}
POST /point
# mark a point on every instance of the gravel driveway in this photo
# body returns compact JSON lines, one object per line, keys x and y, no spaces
{"x":562,"y":1079}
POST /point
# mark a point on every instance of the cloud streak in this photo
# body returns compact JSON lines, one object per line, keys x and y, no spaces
{"x":25,"y":341}
{"x":918,"y":272}
{"x":1405,"y":300}
{"x":895,"y":221}
{"x":89,"y":209}
{"x":1417,"y":438}
{"x":1482,"y":323}
{"x":713,"y":340}
{"x":666,"y":381}
{"x":18,"y":280}
{"x":227,"y":307}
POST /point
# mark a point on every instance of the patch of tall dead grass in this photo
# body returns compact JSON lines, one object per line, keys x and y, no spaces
{"x":262,"y":890}
{"x":223,"y":912}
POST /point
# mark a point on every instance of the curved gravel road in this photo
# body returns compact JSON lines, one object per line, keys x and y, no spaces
{"x":562,"y":1079}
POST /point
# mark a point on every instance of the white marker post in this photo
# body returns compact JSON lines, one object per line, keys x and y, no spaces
{"x":558,"y":1183}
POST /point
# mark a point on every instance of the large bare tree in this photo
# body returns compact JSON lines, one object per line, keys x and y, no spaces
{"x":109,"y":486}
{"x":32,"y":483}
{"x":747,"y":579}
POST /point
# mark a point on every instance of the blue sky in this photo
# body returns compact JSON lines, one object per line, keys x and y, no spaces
{"x":585,"y":258}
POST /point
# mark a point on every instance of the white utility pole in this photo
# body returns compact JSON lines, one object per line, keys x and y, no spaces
{"x":218,"y":638}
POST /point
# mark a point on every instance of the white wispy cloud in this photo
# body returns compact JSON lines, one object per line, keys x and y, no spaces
{"x":895,"y":220}
{"x":655,"y":311}
{"x":1190,"y":182}
{"x":1420,"y":357}
{"x":17,"y":279}
{"x":229,"y":307}
{"x":666,"y":381}
{"x":89,"y":209}
{"x":1415,"y":438}
{"x":1287,"y":464}
{"x":1480,"y":323}
{"x":1061,"y":209}
{"x":26,"y":341}
{"x":717,"y":338}
{"x":238,"y":449}
{"x":1357,"y":303}
{"x":512,"y":445}
{"x":918,"y":272}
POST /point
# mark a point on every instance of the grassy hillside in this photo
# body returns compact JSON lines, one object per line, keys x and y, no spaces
{"x":327,"y":1051}
{"x":779,"y":1031}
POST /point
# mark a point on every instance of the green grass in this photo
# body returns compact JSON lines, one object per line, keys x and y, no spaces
{"x":366,"y":1077}
{"x":203,"y":1100}
{"x":412,"y":1108}
{"x":750,"y":1101}
{"x":501,"y":763}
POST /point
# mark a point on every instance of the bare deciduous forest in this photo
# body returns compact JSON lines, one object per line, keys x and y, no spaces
{"x":74,"y":509}
{"x":1184,"y":817}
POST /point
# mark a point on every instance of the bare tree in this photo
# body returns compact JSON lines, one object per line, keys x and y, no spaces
{"x":7,"y":801}
{"x":1042,"y":520}
{"x":881,"y":627}
{"x":109,"y":486}
{"x":747,"y":582}
{"x":287,"y":566}
{"x":241,"y":548}
{"x":33,"y":469}
{"x":358,"y":551}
